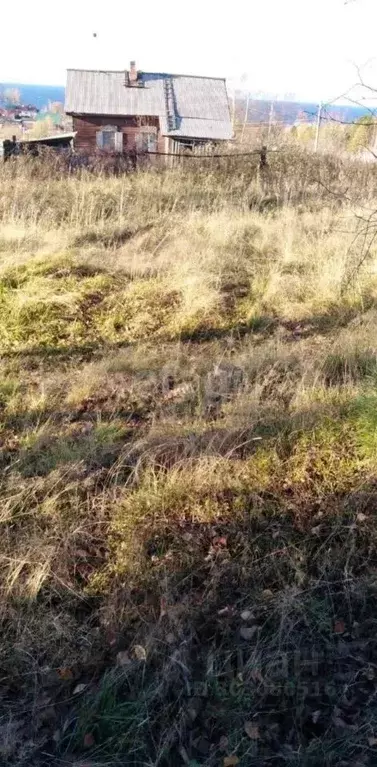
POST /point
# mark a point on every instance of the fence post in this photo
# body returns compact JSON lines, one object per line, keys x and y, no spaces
{"x":263,"y":158}
{"x":9,"y":148}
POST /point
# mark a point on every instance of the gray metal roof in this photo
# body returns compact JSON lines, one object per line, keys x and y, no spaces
{"x":200,"y":103}
{"x":194,"y":127}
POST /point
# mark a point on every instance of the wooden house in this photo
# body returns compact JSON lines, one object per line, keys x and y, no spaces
{"x":133,"y":111}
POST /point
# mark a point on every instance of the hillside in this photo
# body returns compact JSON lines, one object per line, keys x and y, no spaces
{"x":290,"y":112}
{"x":188,"y":458}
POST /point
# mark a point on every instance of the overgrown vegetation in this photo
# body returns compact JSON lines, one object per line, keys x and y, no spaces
{"x":188,"y":453}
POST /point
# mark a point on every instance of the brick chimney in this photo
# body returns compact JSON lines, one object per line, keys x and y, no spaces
{"x":132,"y":77}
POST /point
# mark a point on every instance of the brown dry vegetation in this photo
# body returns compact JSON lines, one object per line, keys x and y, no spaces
{"x":188,"y":435}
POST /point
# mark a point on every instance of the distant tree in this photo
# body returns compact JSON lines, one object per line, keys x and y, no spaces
{"x":362,"y":134}
{"x":56,"y":107}
{"x":12,"y":96}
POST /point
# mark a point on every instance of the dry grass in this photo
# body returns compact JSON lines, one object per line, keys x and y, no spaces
{"x":188,"y":455}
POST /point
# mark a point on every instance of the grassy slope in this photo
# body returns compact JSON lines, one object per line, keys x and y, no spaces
{"x":188,"y":452}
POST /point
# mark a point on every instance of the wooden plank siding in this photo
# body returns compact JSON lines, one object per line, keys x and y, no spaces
{"x":86,"y":127}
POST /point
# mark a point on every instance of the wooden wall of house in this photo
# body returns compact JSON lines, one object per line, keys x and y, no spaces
{"x":86,"y":127}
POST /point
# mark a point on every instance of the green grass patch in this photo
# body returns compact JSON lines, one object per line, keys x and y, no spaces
{"x":145,"y":308}
{"x":92,"y":445}
{"x":364,"y":412}
{"x":48,"y":305}
{"x":326,"y":460}
{"x":9,"y":388}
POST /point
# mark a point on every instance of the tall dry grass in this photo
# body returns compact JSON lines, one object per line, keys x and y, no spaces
{"x":188,"y":450}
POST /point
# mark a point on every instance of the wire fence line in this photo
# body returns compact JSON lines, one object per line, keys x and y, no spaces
{"x":131,"y":159}
{"x":14,"y":148}
{"x":190,"y":155}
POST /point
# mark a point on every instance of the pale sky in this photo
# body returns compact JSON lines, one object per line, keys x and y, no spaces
{"x":306,"y":48}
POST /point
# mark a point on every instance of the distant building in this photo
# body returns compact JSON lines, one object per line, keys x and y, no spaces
{"x":18,"y":112}
{"x":133,"y":111}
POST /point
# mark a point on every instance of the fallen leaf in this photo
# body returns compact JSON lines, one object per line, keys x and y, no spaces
{"x":66,"y":724}
{"x":163,"y":607}
{"x":256,"y":675}
{"x":219,"y":541}
{"x":194,"y":708}
{"x":267,"y":594}
{"x":140,"y":652}
{"x":123,"y":658}
{"x":372,"y":741}
{"x":79,"y":688}
{"x":316,"y":530}
{"x":184,"y":755}
{"x":112,"y":638}
{"x":231,"y":761}
{"x":247,"y":615}
{"x":361,"y":517}
{"x":252,"y":730}
{"x":339,"y":627}
{"x":247,"y":632}
{"x":65,"y":673}
{"x":88,"y":740}
{"x":223,"y":743}
{"x":339,"y":722}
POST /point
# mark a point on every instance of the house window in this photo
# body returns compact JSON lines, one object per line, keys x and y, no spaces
{"x":110,"y":139}
{"x":146,"y":142}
